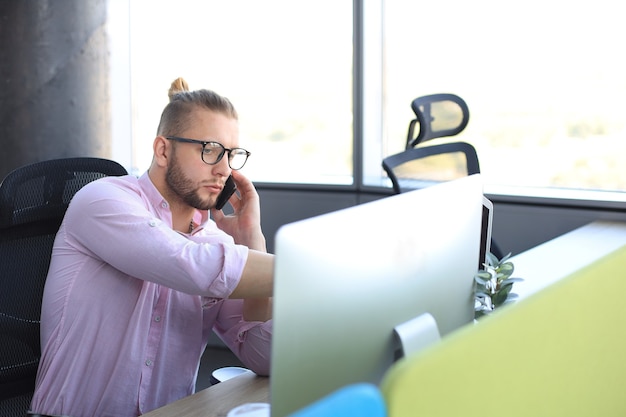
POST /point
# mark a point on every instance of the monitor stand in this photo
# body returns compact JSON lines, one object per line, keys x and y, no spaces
{"x":415,"y":335}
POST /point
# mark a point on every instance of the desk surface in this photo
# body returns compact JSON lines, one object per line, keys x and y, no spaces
{"x":219,"y":399}
{"x":551,"y":261}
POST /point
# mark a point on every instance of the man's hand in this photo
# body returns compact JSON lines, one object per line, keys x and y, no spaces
{"x":244,"y":224}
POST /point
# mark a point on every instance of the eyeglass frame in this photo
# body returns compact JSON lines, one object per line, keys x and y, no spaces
{"x":204,"y":143}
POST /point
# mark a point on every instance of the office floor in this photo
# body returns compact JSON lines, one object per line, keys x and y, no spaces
{"x":214,"y":357}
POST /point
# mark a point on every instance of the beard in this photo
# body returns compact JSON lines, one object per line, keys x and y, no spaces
{"x":183,"y":187}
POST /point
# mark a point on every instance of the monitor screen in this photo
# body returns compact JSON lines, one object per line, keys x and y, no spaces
{"x":345,"y":280}
{"x":485,"y":233}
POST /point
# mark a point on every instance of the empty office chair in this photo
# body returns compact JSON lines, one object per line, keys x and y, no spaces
{"x":420,"y":165}
{"x":33,"y":200}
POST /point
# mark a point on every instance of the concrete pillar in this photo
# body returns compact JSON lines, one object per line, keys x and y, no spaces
{"x":54,"y":91}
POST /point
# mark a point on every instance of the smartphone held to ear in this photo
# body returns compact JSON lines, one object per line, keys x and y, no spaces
{"x":229,"y":189}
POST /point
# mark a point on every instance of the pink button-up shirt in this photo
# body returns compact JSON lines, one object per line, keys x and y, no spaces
{"x":129,"y":304}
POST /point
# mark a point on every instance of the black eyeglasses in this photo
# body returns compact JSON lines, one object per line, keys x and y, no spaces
{"x":213,"y":152}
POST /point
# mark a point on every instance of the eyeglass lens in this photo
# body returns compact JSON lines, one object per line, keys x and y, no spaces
{"x":214,"y":151}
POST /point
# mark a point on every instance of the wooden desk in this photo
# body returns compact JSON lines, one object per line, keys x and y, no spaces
{"x":219,"y":399}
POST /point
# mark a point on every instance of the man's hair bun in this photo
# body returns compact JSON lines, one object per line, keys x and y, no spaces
{"x":179,"y":85}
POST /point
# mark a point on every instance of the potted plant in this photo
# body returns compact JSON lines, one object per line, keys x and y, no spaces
{"x":494,"y":285}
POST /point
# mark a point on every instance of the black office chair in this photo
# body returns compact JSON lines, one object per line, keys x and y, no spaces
{"x":419,"y":165}
{"x":33,"y":201}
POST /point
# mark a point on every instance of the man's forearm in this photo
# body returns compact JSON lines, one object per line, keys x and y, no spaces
{"x":257,"y":279}
{"x":257,"y":309}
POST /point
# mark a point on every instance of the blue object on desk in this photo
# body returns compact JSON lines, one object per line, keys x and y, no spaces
{"x":361,"y":399}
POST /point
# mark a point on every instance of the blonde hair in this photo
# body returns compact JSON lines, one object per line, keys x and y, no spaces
{"x":177,"y":114}
{"x":178,"y":86}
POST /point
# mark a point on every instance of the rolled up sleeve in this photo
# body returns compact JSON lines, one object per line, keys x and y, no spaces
{"x":119,"y":228}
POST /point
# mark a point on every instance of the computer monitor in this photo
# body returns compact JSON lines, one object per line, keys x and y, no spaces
{"x":345,"y":280}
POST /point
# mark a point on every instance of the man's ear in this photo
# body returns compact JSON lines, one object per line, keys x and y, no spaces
{"x":161,"y":149}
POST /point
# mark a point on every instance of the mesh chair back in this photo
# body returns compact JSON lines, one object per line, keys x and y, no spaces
{"x":33,"y":201}
{"x":437,"y":116}
{"x":428,"y":165}
{"x":419,"y":165}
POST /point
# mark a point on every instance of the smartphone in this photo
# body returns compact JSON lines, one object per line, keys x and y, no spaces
{"x":229,"y":189}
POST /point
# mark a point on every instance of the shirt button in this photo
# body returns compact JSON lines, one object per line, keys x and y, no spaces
{"x":152,"y":223}
{"x":148,"y":362}
{"x":164,"y":204}
{"x":157,"y":318}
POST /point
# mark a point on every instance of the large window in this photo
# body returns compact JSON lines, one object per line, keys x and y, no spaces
{"x":286,"y":66}
{"x":544,"y":80}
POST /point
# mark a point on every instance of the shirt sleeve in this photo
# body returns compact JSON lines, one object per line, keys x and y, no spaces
{"x":118,"y":227}
{"x":249,"y":340}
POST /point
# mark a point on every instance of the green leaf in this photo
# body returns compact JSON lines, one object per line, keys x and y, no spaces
{"x":511,"y":280}
{"x":492,"y":259}
{"x":500,"y":297}
{"x":506,"y":268}
{"x":500,"y":276}
{"x":505,"y":284}
{"x":481,"y":281}
{"x":483,"y":275}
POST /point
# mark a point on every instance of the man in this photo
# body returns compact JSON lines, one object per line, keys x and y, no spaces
{"x":140,"y":275}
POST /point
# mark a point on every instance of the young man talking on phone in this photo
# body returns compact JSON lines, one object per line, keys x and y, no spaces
{"x":141,"y":275}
